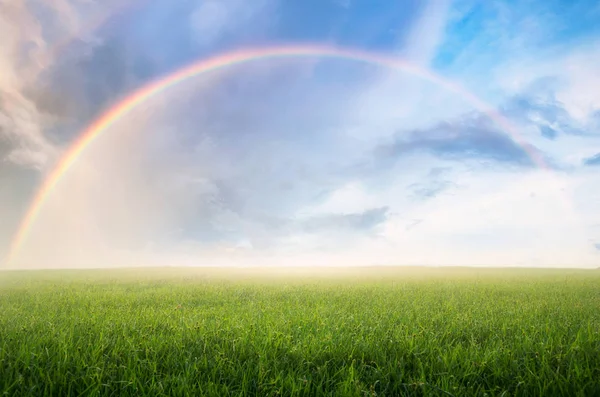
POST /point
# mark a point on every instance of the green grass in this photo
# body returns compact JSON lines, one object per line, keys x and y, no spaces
{"x":339,"y":332}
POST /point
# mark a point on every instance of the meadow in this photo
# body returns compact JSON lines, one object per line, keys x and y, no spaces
{"x":300,"y":332}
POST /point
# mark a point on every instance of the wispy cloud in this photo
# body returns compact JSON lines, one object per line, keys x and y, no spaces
{"x":427,"y":32}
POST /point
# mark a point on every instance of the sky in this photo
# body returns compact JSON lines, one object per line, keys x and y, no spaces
{"x":303,"y":161}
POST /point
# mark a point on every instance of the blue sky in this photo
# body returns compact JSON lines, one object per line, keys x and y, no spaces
{"x":305,"y":161}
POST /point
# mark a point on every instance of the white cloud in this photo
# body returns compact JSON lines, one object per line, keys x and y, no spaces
{"x":427,"y":32}
{"x":32,"y":34}
{"x":492,"y":219}
{"x":574,"y":68}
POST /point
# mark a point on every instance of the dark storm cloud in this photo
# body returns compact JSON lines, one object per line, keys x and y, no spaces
{"x":463,"y":139}
{"x":592,"y":161}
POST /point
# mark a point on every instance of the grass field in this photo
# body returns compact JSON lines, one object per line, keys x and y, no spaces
{"x":354,"y":332}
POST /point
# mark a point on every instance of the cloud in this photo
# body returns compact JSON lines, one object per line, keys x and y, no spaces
{"x":548,"y":132}
{"x":597,"y":246}
{"x":427,"y":32}
{"x":59,"y":68}
{"x":19,"y":119}
{"x":538,"y":107}
{"x":500,"y":48}
{"x":468,"y":138}
{"x":21,"y":128}
{"x":435,"y":182}
{"x":362,"y":222}
{"x":423,"y":191}
{"x":33,"y":34}
{"x":592,"y":161}
{"x":39,"y":38}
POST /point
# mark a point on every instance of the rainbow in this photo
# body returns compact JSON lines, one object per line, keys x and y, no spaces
{"x":219,"y":62}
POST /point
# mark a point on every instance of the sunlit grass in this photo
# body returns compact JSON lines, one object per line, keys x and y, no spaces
{"x":339,"y":332}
